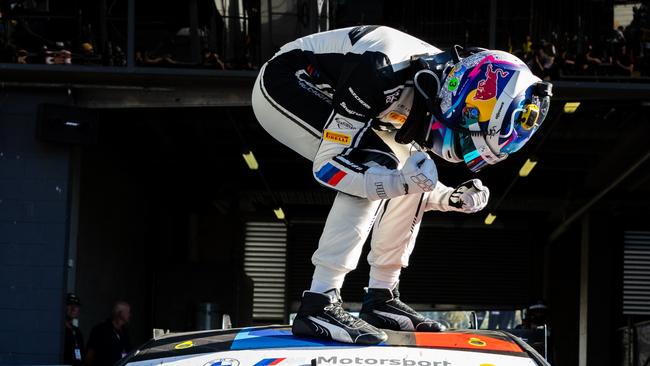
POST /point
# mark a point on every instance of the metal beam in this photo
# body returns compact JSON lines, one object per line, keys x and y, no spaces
{"x":195,"y":44}
{"x":594,"y":90}
{"x":120,"y":87}
{"x":584,"y":293}
{"x":493,"y":24}
{"x":110,"y":96}
{"x":73,"y":233}
{"x":195,"y":82}
{"x":138,"y":76}
{"x":171,"y":98}
{"x":148,"y":76}
{"x":130,"y":35}
{"x":103,"y":31}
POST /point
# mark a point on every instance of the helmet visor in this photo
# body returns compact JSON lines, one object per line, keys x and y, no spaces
{"x":476,"y":152}
{"x":472,"y":157}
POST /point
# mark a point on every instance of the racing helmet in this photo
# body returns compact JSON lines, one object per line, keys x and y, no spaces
{"x":489,"y":104}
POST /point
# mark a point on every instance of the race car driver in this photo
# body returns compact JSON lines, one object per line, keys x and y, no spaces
{"x":368,"y":105}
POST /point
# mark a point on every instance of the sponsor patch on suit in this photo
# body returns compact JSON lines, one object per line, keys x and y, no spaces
{"x":339,"y":138}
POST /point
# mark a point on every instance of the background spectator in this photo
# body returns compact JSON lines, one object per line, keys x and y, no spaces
{"x":542,"y":63}
{"x":73,"y":344}
{"x":622,"y":64}
{"x":109,"y":341}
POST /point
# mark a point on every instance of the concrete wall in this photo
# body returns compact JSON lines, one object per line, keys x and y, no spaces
{"x":34,"y":200}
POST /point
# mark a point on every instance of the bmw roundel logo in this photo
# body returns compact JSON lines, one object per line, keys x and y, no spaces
{"x":223,"y":362}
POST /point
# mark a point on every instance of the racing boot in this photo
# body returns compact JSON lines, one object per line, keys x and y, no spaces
{"x":321,"y":316}
{"x":383,"y":309}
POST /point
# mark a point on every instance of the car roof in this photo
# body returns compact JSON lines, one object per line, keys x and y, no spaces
{"x":280,"y":337}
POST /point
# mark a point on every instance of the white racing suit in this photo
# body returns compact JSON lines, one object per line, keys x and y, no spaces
{"x":337,"y":99}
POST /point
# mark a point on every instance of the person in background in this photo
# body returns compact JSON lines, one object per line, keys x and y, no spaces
{"x":536,"y":317}
{"x":623,"y":64}
{"x":109,"y":341}
{"x":527,"y":49}
{"x":73,"y":344}
{"x":591,"y":61}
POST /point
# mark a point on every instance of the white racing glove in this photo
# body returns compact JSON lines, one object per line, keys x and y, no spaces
{"x":469,"y":197}
{"x":419,"y":174}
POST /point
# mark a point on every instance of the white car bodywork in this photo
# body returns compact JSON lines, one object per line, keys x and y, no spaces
{"x":386,"y":356}
{"x":273,"y":346}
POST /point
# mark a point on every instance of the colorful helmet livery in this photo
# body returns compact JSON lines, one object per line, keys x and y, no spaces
{"x":496,"y":104}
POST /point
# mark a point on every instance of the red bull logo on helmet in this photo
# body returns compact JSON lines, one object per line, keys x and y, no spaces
{"x":487,"y":88}
{"x":484,"y":97}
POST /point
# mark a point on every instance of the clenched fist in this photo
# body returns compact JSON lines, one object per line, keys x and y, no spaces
{"x":469,"y":197}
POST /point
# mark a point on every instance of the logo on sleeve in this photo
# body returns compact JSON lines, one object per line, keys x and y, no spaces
{"x":393,"y":94}
{"x":343,"y":124}
{"x":390,"y":98}
{"x":342,"y":104}
{"x":339,"y":138}
{"x":361,"y":101}
{"x":330,"y":174}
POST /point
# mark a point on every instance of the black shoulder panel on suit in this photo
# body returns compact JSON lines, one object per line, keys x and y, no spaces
{"x":358,"y":32}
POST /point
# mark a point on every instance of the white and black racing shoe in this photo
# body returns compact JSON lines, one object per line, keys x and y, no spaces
{"x":383,"y":309}
{"x":321,"y":316}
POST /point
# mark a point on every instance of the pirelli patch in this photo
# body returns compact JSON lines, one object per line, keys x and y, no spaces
{"x":339,"y":138}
